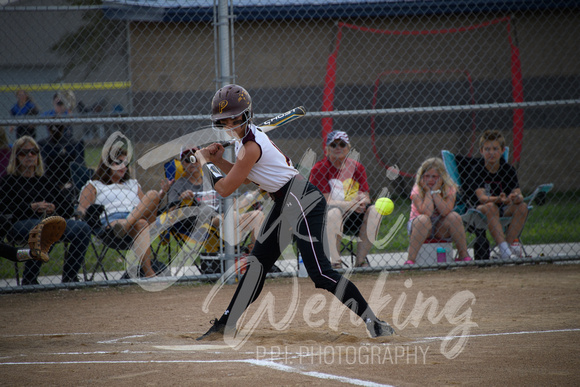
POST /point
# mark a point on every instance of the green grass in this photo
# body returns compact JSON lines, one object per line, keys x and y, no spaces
{"x":92,"y":156}
{"x":558,"y":221}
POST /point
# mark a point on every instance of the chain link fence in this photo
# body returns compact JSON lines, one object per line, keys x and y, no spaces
{"x":404,"y":80}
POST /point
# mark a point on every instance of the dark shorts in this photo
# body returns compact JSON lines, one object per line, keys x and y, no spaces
{"x":114,"y":216}
{"x":353,"y":223}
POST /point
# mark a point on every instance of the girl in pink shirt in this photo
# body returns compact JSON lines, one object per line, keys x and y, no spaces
{"x":432,"y":215}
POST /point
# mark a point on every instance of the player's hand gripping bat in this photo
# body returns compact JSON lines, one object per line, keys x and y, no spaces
{"x":267,"y":125}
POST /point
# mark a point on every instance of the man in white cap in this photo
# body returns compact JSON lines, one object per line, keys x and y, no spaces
{"x":343,"y":182}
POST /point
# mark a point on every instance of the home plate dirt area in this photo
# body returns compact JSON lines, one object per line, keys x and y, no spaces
{"x":511,"y":325}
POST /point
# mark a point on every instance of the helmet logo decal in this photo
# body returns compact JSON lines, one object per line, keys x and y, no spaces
{"x":223,"y":105}
{"x":242,"y":96}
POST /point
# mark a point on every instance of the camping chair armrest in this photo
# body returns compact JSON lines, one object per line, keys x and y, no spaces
{"x":542,"y":189}
{"x":474,"y":219}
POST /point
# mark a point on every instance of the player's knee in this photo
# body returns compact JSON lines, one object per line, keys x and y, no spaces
{"x":489,"y":209}
{"x":453,"y":217}
{"x":334,"y":215}
{"x":422,"y":222}
{"x":327,"y":281}
{"x":153,"y":196}
{"x":140,"y":225}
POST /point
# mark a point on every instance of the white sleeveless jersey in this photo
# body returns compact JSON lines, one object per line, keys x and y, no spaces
{"x":273,"y":169}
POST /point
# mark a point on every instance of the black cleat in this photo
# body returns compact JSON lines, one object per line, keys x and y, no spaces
{"x":379,"y":328}
{"x":216,"y":331}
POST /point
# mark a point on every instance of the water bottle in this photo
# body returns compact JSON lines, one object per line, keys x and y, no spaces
{"x":441,"y":255}
{"x":301,"y":269}
{"x":516,"y":249}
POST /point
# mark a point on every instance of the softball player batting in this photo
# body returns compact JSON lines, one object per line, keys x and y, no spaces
{"x":298,"y":206}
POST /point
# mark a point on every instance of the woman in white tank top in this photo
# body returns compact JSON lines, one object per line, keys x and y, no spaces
{"x":128,"y":209}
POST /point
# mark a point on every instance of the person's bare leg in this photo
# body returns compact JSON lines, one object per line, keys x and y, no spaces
{"x":146,"y":209}
{"x":519,"y":213}
{"x":452,"y":226}
{"x":420,"y":228}
{"x":142,"y":246}
{"x":250,"y":222}
{"x":491,"y":211}
{"x":367,"y":234}
{"x":334,"y":234}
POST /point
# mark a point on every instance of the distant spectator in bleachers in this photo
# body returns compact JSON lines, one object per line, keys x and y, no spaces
{"x":63,"y":104}
{"x":60,"y":148}
{"x":24,"y":106}
{"x":58,"y":152}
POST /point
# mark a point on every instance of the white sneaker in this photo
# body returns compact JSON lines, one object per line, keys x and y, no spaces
{"x":499,"y":257}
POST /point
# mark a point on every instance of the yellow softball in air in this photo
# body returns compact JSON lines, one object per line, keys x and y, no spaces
{"x":384,"y":206}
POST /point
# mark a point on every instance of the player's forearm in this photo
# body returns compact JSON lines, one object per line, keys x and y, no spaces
{"x":426,"y":206}
{"x":225,"y":165}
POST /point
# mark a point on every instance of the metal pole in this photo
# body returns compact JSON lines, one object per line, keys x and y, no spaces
{"x":224,"y":26}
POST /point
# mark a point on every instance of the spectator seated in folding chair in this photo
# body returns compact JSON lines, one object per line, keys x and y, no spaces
{"x":343,"y":182}
{"x":432,"y":216}
{"x":188,"y":190}
{"x":127,"y":210}
{"x":492,"y":199}
{"x":26,"y":196}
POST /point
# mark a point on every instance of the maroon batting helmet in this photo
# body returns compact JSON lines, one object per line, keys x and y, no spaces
{"x":231,"y":101}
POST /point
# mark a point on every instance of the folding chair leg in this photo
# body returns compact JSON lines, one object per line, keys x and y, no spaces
{"x":17,"y":272}
{"x":99,"y":263}
{"x":349,"y":246}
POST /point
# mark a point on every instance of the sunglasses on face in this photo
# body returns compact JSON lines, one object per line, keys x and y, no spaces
{"x":24,"y":152}
{"x":341,"y":144}
{"x":119,"y":162}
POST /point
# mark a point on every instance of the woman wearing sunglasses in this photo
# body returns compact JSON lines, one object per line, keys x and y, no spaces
{"x":127,"y":208}
{"x":28,"y":196}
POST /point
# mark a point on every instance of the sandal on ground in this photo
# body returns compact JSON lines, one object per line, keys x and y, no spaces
{"x":337,"y":265}
{"x":409,"y":262}
{"x":362,"y":264}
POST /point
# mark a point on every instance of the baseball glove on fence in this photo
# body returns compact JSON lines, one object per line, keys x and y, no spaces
{"x":44,"y":235}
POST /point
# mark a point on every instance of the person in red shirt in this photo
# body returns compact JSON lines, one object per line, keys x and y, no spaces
{"x":343,"y":182}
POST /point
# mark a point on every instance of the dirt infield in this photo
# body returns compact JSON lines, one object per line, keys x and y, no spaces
{"x":517,"y":325}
